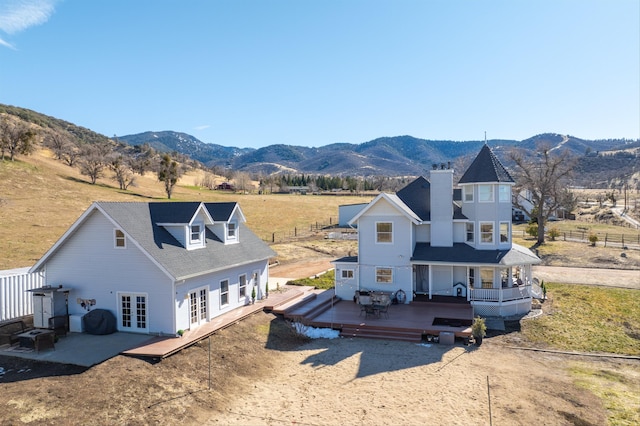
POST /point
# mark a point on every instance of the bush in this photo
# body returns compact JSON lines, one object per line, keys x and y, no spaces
{"x":593,"y":239}
{"x":554,"y":233}
{"x":532,"y":229}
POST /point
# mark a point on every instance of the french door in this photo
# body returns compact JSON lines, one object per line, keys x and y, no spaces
{"x":133,"y":315}
{"x":198,"y":306}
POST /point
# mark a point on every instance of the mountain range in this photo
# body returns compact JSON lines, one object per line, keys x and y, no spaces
{"x":385,"y":156}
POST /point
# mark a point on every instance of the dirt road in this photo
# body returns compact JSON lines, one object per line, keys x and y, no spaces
{"x":622,"y":278}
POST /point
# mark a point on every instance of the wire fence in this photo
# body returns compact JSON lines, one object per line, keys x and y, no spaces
{"x":302,"y":232}
{"x":607,"y":239}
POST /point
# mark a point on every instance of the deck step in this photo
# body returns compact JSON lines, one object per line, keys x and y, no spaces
{"x":312,"y":307}
{"x":381,"y":333}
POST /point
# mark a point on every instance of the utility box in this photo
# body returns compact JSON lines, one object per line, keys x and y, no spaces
{"x":75,"y":323}
{"x":49,"y":302}
{"x":446,"y":338}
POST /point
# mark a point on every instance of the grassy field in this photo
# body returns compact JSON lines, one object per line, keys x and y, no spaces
{"x":42,"y":197}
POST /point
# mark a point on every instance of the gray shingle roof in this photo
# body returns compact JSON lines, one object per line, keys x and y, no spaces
{"x":417,"y":196}
{"x":139,"y":221}
{"x":465,"y":254}
{"x":486,"y":168}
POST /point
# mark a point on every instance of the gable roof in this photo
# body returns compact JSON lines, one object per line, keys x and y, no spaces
{"x":222,"y":212}
{"x":392,"y":199}
{"x":417,"y":197}
{"x":139,"y":222}
{"x":486,"y":168}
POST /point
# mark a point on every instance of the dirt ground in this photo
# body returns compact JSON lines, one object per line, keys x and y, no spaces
{"x":260,"y":372}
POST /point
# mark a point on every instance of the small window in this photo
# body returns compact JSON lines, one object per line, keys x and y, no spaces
{"x":347,"y":273}
{"x":243,"y":286}
{"x":195,"y":233}
{"x":504,"y":232}
{"x":470,"y":232}
{"x":486,"y":232}
{"x":384,"y":232}
{"x":224,"y":292}
{"x":504,"y":193}
{"x":468,"y":193}
{"x":485,"y":193}
{"x":384,"y":275}
{"x":120,"y":240}
{"x":231,"y":230}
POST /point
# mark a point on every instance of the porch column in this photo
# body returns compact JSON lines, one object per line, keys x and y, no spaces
{"x":430,"y":281}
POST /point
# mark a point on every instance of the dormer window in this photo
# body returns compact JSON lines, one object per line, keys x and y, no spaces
{"x":119,"y":239}
{"x":196,"y":233}
{"x":231,"y":230}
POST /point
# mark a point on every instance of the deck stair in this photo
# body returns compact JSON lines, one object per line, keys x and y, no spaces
{"x":279,"y":302}
{"x":377,"y":332}
{"x":311,"y":307}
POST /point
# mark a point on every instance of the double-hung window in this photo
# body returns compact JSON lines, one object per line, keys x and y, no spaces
{"x":470,"y":232}
{"x":347,"y":273}
{"x":384,"y":275}
{"x":119,"y":239}
{"x":504,"y":193}
{"x":485,"y":193}
{"x":196,"y":232}
{"x":243,"y":286}
{"x":224,"y":292}
{"x":231,"y":230}
{"x":468,"y":193}
{"x":505,"y":234}
{"x":384,"y":232}
{"x":486,"y":232}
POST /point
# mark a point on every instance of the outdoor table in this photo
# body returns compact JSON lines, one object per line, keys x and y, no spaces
{"x":30,"y":339}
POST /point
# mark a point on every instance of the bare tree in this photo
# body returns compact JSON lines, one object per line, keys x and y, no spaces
{"x":92,"y":162}
{"x":122,"y":172}
{"x":169,"y":173}
{"x":70,"y":154}
{"x":58,"y":143}
{"x":541,"y":178}
{"x":16,"y":138}
{"x":242,"y":181}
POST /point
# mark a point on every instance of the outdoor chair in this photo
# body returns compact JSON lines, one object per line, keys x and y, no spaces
{"x":365,"y":303}
{"x":384,"y":309}
{"x":59,"y":324}
{"x":44,"y":341}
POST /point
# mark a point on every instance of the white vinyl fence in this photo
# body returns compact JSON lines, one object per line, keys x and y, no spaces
{"x":15,"y":300}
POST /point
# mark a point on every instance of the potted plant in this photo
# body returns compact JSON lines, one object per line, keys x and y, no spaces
{"x":253,"y":295}
{"x":478,"y":330}
{"x":179,"y":333}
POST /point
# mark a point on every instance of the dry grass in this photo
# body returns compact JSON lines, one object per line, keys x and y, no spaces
{"x":42,"y":197}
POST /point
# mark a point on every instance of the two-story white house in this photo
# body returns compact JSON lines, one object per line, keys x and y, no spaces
{"x":430,"y":240}
{"x":158,"y":267}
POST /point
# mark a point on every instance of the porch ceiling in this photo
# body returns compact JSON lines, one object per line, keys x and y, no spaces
{"x":465,"y":254}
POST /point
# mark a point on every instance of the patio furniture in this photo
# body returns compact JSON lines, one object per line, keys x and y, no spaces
{"x":384,"y":309}
{"x":38,"y":339}
{"x":10,"y":330}
{"x":59,"y":324}
{"x":365,"y":303}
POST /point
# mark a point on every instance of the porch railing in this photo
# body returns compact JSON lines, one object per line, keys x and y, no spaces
{"x":500,"y":294}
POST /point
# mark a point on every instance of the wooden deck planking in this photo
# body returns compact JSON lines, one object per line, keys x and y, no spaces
{"x":163,"y":346}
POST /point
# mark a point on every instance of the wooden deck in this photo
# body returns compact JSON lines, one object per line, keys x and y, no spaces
{"x":322,"y":309}
{"x":409,"y":322}
{"x":163,"y":346}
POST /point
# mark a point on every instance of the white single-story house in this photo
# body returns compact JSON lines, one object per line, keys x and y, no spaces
{"x":158,"y":267}
{"x":433,"y":240}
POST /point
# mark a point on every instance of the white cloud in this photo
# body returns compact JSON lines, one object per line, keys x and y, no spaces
{"x":205,"y":126}
{"x":6,"y":44}
{"x":18,"y":15}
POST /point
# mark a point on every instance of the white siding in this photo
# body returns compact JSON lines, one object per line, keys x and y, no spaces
{"x":87,"y":261}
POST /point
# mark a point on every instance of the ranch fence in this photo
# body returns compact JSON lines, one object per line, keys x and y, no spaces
{"x":607,"y":239}
{"x":300,"y":232}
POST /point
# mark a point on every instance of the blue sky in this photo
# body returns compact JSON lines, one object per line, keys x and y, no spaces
{"x":251,"y":73}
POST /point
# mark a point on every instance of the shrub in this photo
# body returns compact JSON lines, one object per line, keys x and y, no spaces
{"x":593,"y":239}
{"x":532,"y":229}
{"x":554,"y":233}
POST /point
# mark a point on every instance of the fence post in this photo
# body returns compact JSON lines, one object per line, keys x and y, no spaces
{"x":295,"y":231}
{"x":273,"y":237}
{"x":606,"y":235}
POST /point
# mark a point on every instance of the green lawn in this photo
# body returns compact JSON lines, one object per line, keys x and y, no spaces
{"x":588,"y":319}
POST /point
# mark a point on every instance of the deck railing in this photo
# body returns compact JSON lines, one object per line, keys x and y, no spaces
{"x":500,"y":294}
